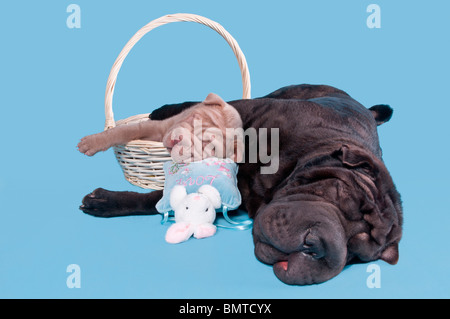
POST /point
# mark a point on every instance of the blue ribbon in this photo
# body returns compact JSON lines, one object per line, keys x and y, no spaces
{"x":239,"y":225}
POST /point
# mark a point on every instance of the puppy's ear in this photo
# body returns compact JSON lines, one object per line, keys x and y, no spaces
{"x":214,"y":99}
{"x":236,"y":154}
{"x":381,"y":113}
{"x":238,"y":151}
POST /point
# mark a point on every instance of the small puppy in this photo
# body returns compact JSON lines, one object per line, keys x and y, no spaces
{"x":210,"y":128}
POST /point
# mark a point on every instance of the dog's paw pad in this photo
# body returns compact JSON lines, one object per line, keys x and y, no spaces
{"x":97,"y":203}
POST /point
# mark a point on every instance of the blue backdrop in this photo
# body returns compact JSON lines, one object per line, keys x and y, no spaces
{"x":52,"y":83}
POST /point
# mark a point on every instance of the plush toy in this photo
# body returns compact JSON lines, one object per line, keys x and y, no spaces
{"x":194,"y":213}
{"x":194,"y":192}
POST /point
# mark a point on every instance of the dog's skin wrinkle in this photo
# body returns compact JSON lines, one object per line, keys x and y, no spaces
{"x":332,"y":185}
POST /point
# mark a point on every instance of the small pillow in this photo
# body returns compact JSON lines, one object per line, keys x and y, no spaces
{"x":220,"y":173}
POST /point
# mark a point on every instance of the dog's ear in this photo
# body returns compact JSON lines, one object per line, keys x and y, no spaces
{"x":356,"y":157}
{"x":380,"y":204}
{"x":214,"y":99}
{"x":381,"y":113}
{"x":390,"y":254}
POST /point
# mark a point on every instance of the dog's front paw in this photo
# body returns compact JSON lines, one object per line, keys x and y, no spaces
{"x":100,"y":203}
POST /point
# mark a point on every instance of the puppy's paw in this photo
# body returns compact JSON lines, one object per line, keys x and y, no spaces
{"x":92,"y":144}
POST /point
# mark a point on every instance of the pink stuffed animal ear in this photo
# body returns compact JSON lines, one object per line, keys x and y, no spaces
{"x":179,"y":232}
{"x":214,"y":99}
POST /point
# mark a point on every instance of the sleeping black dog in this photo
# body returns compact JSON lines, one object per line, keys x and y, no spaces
{"x":331,"y":202}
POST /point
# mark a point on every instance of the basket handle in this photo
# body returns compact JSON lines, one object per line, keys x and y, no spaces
{"x":109,"y":115}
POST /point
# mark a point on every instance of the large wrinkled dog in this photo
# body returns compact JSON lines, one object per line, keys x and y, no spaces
{"x":332,"y":201}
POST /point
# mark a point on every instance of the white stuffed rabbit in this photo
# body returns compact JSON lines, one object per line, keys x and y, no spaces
{"x":194,"y":213}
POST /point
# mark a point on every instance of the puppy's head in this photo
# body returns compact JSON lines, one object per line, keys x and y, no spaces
{"x":210,"y":128}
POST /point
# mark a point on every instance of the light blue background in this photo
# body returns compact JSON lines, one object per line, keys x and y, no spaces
{"x":52,"y":89}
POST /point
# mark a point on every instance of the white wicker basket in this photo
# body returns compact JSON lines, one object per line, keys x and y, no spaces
{"x":142,"y":161}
